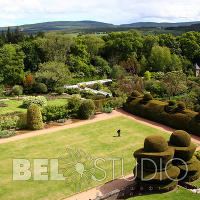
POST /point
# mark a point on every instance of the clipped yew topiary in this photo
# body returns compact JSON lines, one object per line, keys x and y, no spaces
{"x":34,"y":117}
{"x":184,"y":157}
{"x":155,"y":171}
{"x":180,"y":107}
{"x":180,"y":138}
{"x":171,"y":102}
{"x":155,"y":143}
{"x":147,"y":97}
{"x":197,"y":117}
{"x":135,"y":94}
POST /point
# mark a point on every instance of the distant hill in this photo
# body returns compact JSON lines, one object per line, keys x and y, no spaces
{"x":193,"y":27}
{"x":94,"y":26}
{"x":61,"y":25}
{"x":157,"y":25}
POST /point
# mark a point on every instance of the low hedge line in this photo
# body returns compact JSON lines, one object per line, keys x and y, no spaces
{"x":55,"y":112}
{"x":113,"y":102}
{"x":155,"y":110}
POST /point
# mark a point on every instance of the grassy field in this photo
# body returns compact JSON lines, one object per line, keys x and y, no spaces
{"x":95,"y":139}
{"x":15,"y":105}
{"x":180,"y":194}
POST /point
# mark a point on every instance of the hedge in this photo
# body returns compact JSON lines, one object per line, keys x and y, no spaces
{"x":155,"y":110}
{"x":52,"y":113}
{"x":100,"y":103}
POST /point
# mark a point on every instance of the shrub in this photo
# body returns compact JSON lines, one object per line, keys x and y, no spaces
{"x":82,"y":86}
{"x":86,"y":109}
{"x":7,"y":133}
{"x":86,"y":94}
{"x":73,"y":91}
{"x":22,"y":123}
{"x":155,"y":143}
{"x":73,"y":105}
{"x":180,"y":107}
{"x":59,"y":90}
{"x":1,"y":89}
{"x":28,"y":82}
{"x":180,"y":138}
{"x":39,"y":100}
{"x":107,"y":109}
{"x":96,"y":86}
{"x":52,"y":113}
{"x":40,"y":88}
{"x":34,"y":117}
{"x":9,"y":123}
{"x":147,"y":75}
{"x":17,"y":90}
{"x":114,"y":103}
{"x":157,"y":75}
{"x":98,"y":97}
{"x":147,"y":97}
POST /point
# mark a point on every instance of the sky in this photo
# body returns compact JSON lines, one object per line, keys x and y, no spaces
{"x":19,"y":12}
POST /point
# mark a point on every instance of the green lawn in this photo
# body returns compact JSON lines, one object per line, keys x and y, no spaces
{"x":180,"y":194}
{"x":15,"y":105}
{"x":95,"y":139}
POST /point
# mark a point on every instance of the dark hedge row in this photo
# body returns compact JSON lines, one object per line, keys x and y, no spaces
{"x":156,"y":111}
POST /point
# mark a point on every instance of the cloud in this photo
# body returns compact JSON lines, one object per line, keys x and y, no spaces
{"x":112,"y":11}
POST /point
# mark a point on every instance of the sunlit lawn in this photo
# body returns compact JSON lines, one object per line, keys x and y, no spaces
{"x":95,"y":139}
{"x":180,"y":194}
{"x":15,"y":105}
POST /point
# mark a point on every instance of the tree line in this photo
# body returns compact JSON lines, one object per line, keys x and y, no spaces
{"x":84,"y":57}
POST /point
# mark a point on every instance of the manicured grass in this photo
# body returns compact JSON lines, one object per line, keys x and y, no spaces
{"x":15,"y":105}
{"x":95,"y":139}
{"x":180,"y":194}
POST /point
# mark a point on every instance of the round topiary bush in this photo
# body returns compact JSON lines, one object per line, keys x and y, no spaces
{"x":166,"y":157}
{"x":34,"y":117}
{"x":86,"y":109}
{"x":155,"y":143}
{"x":180,"y":138}
{"x":147,"y":97}
{"x":17,"y":90}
